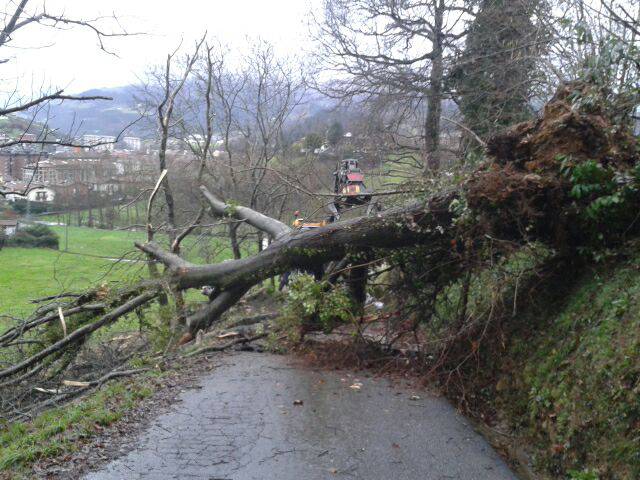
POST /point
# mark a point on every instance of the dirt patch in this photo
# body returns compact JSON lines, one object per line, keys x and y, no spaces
{"x":354,"y":354}
{"x":578,"y":122}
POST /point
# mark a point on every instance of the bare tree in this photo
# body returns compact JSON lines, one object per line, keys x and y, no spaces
{"x":18,"y":17}
{"x":170,"y":86}
{"x":218,"y":89}
{"x":247,"y":107}
{"x":273,"y":90}
{"x":597,"y":40}
{"x":398,"y":50}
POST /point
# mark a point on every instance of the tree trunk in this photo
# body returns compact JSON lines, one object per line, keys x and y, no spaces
{"x":356,"y":280}
{"x":233,"y":237}
{"x":135,"y":207}
{"x":434,"y":97}
{"x":168,"y":194}
{"x":394,"y":228}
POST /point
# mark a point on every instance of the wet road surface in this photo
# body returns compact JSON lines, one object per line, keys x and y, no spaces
{"x":243,"y":425}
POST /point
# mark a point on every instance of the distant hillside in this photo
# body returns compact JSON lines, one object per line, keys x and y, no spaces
{"x":100,"y":116}
{"x":14,"y":126}
{"x":314,"y":113}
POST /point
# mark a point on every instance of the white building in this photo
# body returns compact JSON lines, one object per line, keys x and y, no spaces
{"x":38,"y":193}
{"x":9,"y":227}
{"x":133,"y":143}
{"x":104,"y":143}
{"x":41,"y":194}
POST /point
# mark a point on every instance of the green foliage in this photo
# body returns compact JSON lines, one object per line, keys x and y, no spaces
{"x":566,"y":372}
{"x":606,"y":199}
{"x":311,"y":304}
{"x":335,"y":133}
{"x":230,"y":209}
{"x":34,"y":236}
{"x":159,"y":325}
{"x":494,"y":76}
{"x":312,"y":142}
{"x":583,"y":475}
{"x":604,"y":53}
{"x":23,"y":206}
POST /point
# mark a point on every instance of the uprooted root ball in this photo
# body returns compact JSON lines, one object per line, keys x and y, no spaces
{"x":569,"y":179}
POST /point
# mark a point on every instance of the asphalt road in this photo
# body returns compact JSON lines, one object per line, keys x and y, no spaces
{"x":246,"y":422}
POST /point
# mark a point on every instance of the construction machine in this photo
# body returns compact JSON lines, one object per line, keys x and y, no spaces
{"x":349,"y":188}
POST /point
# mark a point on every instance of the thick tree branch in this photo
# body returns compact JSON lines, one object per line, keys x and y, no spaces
{"x":47,"y":98}
{"x":273,"y":227}
{"x":391,"y":229}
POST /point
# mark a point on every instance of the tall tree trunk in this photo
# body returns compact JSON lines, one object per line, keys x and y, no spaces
{"x":434,"y":97}
{"x":135,"y":206}
{"x":168,"y":194}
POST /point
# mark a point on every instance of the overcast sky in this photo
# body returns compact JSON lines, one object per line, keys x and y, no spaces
{"x":72,"y":59}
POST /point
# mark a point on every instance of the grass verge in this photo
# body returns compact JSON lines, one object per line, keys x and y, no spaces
{"x":564,"y":374}
{"x":63,"y":430}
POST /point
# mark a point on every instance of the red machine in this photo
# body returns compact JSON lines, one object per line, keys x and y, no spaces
{"x":349,"y":187}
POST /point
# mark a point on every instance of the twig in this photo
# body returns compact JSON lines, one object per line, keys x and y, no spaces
{"x":64,"y":324}
{"x":80,"y":333}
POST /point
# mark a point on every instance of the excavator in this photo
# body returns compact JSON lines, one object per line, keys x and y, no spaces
{"x":349,"y":188}
{"x":349,"y":192}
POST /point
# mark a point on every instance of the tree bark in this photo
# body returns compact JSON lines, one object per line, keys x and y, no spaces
{"x":273,"y":227}
{"x":434,"y":96}
{"x":356,"y":280}
{"x":233,"y":238}
{"x":394,"y":228}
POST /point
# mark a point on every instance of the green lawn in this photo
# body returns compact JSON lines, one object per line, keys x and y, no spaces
{"x":26,"y":274}
{"x":123,"y":216}
{"x":112,"y":243}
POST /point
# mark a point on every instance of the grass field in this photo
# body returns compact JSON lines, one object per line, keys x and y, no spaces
{"x":123,"y":216}
{"x":27,"y":274}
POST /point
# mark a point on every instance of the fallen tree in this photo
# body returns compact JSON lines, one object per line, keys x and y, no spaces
{"x":563,"y":180}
